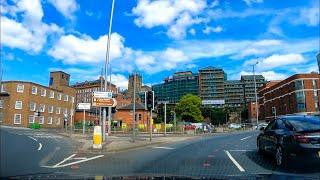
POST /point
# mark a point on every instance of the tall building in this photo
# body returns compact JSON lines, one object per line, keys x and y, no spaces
{"x":298,"y":94}
{"x":21,"y":99}
{"x":173,"y":88}
{"x":318,"y":59}
{"x":249,"y":87}
{"x":137,"y":79}
{"x":234,"y":93}
{"x":211,"y":86}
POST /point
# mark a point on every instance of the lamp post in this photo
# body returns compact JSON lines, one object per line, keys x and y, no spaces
{"x":255,"y":91}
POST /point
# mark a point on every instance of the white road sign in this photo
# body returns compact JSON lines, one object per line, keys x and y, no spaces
{"x":102,"y":94}
{"x":84,"y":106}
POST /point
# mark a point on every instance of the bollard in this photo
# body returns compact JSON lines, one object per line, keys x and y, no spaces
{"x":97,"y":137}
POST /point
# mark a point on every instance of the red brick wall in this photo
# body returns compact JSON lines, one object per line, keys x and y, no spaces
{"x":126,"y":116}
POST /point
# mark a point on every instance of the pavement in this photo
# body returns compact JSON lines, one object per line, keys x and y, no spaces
{"x":225,"y":155}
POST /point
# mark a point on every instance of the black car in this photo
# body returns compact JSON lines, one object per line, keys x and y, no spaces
{"x":291,"y":137}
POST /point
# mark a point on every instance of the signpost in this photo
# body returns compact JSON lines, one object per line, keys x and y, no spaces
{"x":84,"y":107}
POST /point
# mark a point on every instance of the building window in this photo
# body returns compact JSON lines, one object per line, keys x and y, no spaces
{"x":3,"y":88}
{"x":18,"y":105}
{"x":1,"y":116}
{"x":65,"y":112}
{"x":17,"y":119}
{"x":58,"y":110}
{"x":140,"y":117}
{"x":43,"y":92}
{"x":50,"y":109}
{"x":65,"y":97}
{"x":49,"y":120}
{"x":59,"y":96}
{"x":1,"y":103}
{"x":31,"y":118}
{"x":32,"y":106}
{"x":57,"y":121}
{"x":301,"y":105}
{"x":314,"y":83}
{"x":51,"y":95}
{"x":20,"y":88}
{"x":316,"y":100}
{"x":34,"y":90}
{"x":298,"y":84}
{"x":42,"y":107}
{"x":41,"y":120}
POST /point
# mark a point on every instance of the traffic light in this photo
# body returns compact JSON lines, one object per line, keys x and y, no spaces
{"x":149,"y":100}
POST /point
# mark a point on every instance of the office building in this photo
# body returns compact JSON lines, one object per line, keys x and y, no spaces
{"x":176,"y":86}
{"x":298,"y":94}
{"x":249,"y":87}
{"x":21,"y":101}
{"x":234,"y":93}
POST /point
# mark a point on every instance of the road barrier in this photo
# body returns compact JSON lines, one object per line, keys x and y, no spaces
{"x":97,"y":137}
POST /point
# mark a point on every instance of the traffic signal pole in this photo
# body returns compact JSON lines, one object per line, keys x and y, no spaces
{"x":165,"y":118}
{"x":150,"y":123}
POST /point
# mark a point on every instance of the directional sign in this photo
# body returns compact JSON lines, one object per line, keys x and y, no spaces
{"x":83,"y":106}
{"x":104,"y":102}
{"x":102,"y":94}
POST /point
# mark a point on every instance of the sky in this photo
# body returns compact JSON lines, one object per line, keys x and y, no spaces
{"x":157,"y":38}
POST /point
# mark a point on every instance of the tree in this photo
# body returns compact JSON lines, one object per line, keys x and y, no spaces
{"x":188,"y":108}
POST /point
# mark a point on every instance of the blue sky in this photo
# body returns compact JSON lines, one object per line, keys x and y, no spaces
{"x":158,"y":38}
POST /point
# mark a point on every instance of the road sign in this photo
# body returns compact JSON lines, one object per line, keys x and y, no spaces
{"x":104,"y":102}
{"x":102,"y":94}
{"x":84,"y":106}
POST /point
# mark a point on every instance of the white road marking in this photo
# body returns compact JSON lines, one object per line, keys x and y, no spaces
{"x":66,"y":159}
{"x":235,"y":162}
{"x":33,"y":138}
{"x":158,"y":147}
{"x":84,"y":160}
{"x":40,"y":146}
{"x":245,"y":138}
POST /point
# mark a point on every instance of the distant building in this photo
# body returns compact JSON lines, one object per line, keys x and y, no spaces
{"x":173,"y":88}
{"x":234,"y":93}
{"x":248,"y":86}
{"x":318,"y":59}
{"x":252,"y":111}
{"x":298,"y":94}
{"x":21,"y":99}
{"x":211,"y":86}
{"x":124,"y":117}
{"x":137,"y":79}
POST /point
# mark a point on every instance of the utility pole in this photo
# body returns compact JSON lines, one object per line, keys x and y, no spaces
{"x":106,"y":71}
{"x":101,"y":86}
{"x":150,"y":123}
{"x":134,"y":108}
{"x":255,"y":92}
{"x":165,"y":118}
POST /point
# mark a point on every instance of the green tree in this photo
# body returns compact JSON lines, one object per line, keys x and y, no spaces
{"x":188,"y":108}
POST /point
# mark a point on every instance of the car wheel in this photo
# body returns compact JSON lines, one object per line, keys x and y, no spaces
{"x":280,"y":157}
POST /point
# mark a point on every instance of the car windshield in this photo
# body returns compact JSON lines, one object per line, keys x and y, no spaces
{"x":305,"y":124}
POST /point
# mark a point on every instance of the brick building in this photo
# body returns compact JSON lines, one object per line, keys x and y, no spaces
{"x":20,"y":100}
{"x":298,"y":94}
{"x":124,"y":115}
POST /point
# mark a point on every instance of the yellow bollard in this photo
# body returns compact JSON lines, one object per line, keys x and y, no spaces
{"x":97,"y":137}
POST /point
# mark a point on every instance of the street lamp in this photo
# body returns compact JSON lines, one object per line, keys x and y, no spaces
{"x":255,"y":91}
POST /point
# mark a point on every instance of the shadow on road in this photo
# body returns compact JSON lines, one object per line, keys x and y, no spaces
{"x":267,"y":161}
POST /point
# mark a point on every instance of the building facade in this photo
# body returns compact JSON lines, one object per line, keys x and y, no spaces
{"x":173,"y":88}
{"x":249,"y":93}
{"x":211,"y":86}
{"x":124,"y":116}
{"x":298,"y":94}
{"x":20,"y":100}
{"x":234,"y":93}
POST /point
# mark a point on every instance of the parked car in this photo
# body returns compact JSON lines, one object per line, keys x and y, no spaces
{"x":291,"y":137}
{"x":261,"y":125}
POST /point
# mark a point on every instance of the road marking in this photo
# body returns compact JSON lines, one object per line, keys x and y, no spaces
{"x":158,"y":147}
{"x":235,"y":162}
{"x":84,"y":160}
{"x":245,"y":138}
{"x":33,"y":138}
{"x":66,"y":159}
{"x":40,"y":146}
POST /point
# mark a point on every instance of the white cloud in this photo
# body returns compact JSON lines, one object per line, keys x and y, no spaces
{"x":209,"y":30}
{"x":66,"y":8}
{"x":250,"y":2}
{"x":178,"y":16}
{"x":31,"y":33}
{"x":192,"y":31}
{"x":72,"y":49}
{"x":119,"y":80}
{"x":268,"y":75}
{"x":309,"y":16}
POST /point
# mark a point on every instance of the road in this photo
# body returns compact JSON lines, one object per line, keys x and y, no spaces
{"x":219,"y":155}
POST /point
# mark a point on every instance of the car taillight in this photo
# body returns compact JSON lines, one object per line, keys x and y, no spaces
{"x":301,"y":138}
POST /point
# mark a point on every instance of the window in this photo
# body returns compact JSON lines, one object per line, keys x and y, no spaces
{"x":42,"y":107}
{"x":31,"y":119}
{"x":3,"y":88}
{"x":20,"y":88}
{"x":34,"y":90}
{"x":58,"y":110}
{"x":65,"y":98}
{"x":57,"y":121}
{"x":316,"y":100}
{"x":314,"y":83}
{"x":1,"y":116}
{"x":18,"y":105}
{"x":140,"y":117}
{"x":32,"y":106}
{"x":49,"y":120}
{"x":65,"y":111}
{"x":301,"y":105}
{"x":43,"y":92}
{"x":41,"y":120}
{"x":59,"y":96}
{"x":17,"y":119}
{"x":1,"y":103}
{"x":51,"y":95}
{"x":50,"y":109}
{"x":298,"y":84}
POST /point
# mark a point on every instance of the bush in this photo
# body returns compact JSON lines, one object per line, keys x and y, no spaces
{"x":34,"y":125}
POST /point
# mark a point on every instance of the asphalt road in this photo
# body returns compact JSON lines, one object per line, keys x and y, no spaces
{"x":219,"y":155}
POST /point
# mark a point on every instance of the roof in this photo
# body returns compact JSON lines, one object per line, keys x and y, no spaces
{"x":88,"y":83}
{"x":32,"y":83}
{"x":139,"y":106}
{"x":250,"y":77}
{"x":211,"y":68}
